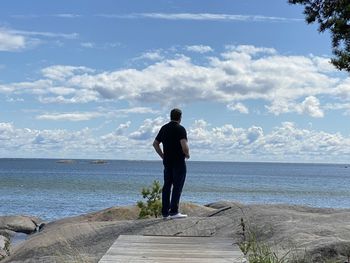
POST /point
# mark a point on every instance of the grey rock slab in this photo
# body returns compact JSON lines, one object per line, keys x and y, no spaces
{"x":322,"y":233}
{"x":3,"y":246}
{"x":22,"y":224}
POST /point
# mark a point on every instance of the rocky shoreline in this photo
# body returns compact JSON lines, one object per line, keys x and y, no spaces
{"x":320,"y":233}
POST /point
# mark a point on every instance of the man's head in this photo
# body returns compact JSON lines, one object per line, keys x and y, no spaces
{"x":175,"y":115}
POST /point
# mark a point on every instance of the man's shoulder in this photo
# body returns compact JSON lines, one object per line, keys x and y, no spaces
{"x":173,"y":126}
{"x":166,"y":126}
{"x":181,"y":127}
{"x":181,"y":131}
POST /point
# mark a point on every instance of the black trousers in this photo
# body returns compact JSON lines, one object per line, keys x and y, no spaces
{"x":174,"y":179}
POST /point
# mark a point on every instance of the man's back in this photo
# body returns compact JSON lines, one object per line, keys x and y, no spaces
{"x":170,"y":136}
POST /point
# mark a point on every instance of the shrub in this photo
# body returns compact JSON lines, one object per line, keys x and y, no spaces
{"x":153,"y":204}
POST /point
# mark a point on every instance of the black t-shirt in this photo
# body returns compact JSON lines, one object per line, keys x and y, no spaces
{"x":170,"y":135}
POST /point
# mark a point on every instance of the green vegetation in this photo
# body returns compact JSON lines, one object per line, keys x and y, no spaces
{"x":333,"y":15}
{"x":256,"y":251}
{"x":153,"y":204}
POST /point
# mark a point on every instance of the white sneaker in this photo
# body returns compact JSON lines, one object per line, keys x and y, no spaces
{"x":166,"y":218}
{"x":177,"y":216}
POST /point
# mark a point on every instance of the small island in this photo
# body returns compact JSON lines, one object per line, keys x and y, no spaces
{"x":69,"y":161}
{"x":98,"y":162}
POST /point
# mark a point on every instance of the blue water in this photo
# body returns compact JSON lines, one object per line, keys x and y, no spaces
{"x":52,"y":190}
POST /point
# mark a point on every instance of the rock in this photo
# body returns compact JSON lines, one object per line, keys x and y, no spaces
{"x":318,"y":231}
{"x":84,"y":241}
{"x":3,"y":241}
{"x":21,"y":224}
{"x":4,"y":247}
{"x":195,"y":209}
{"x":322,"y":233}
{"x":222,"y":204}
{"x":115,"y":213}
{"x":98,"y":162}
{"x":66,"y":161}
{"x":7,"y":233}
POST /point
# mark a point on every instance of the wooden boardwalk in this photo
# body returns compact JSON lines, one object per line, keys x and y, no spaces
{"x":164,"y":249}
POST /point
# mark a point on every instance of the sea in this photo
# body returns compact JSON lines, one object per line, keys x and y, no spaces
{"x":52,"y":189}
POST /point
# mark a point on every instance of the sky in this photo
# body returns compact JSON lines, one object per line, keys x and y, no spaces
{"x":97,"y":79}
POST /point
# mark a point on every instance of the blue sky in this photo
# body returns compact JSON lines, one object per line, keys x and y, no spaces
{"x":97,"y":79}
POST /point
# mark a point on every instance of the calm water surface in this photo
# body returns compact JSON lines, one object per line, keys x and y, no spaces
{"x":52,"y":190}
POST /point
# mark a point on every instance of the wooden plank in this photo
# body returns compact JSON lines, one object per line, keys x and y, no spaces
{"x":157,"y":260}
{"x":170,"y":260}
{"x":159,"y":249}
{"x":137,"y":238}
{"x":165,"y":247}
{"x":172,"y":253}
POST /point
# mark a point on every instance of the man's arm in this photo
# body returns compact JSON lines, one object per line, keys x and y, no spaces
{"x":156,"y":146}
{"x":185,"y":148}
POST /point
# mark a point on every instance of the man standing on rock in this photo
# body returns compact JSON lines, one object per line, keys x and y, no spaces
{"x":173,"y":136}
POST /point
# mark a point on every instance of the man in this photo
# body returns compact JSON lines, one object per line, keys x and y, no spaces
{"x":173,"y":136}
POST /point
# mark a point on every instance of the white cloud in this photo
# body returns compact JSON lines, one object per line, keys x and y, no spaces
{"x":310,"y":106}
{"x":88,"y":44}
{"x":199,"y":49}
{"x":33,"y":16}
{"x":345,"y":107}
{"x":148,"y":130}
{"x":241,"y":108}
{"x":18,"y":40}
{"x":136,"y":110}
{"x":14,"y":99}
{"x":248,"y":49}
{"x":6,"y":129}
{"x":254,"y":133}
{"x":175,"y":16}
{"x":100,"y":113}
{"x":85,"y":98}
{"x":343,"y":90}
{"x":74,"y":116}
{"x":122,"y":128}
{"x":11,"y":42}
{"x":285,"y":83}
{"x":323,"y":64}
{"x":286,"y":142}
{"x":35,"y":87}
{"x":62,"y":72}
{"x":45,"y":34}
{"x":67,"y":15}
{"x":200,"y":135}
{"x":152,"y":55}
{"x":278,"y":107}
{"x":101,"y":46}
{"x":61,"y":91}
{"x":202,"y":17}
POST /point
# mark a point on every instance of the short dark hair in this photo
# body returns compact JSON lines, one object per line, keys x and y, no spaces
{"x":175,"y":114}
